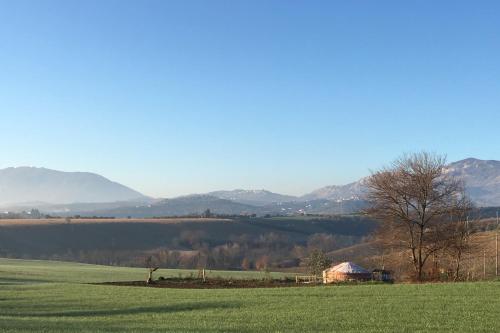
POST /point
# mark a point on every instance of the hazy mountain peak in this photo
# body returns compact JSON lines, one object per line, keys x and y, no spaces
{"x":32,"y":184}
{"x":481,"y":177}
{"x":351,"y":191}
{"x":474,"y":163}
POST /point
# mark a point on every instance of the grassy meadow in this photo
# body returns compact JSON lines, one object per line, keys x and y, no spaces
{"x":44,"y":296}
{"x":15,"y":271}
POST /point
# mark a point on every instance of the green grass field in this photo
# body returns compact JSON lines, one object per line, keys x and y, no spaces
{"x":38,"y":296}
{"x":31,"y":271}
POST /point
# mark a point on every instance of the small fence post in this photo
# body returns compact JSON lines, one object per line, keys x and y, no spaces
{"x":484,"y":265}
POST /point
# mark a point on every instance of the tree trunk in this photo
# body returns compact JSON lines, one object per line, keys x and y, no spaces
{"x":420,"y":261}
{"x":457,"y":270}
{"x":150,"y":277}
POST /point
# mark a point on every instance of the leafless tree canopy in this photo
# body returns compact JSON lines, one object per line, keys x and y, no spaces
{"x":415,"y":201}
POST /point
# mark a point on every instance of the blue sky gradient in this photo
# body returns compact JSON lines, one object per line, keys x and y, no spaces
{"x":172,"y":98}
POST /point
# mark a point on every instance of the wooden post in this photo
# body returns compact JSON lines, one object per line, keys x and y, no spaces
{"x":496,"y":248}
{"x":496,"y":253}
{"x":473,"y":268}
{"x":484,"y":264}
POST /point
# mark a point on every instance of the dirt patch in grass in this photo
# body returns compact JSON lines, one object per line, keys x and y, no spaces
{"x":210,"y":283}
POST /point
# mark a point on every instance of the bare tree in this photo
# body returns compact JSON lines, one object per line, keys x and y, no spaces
{"x":460,"y":230}
{"x":207,"y":214}
{"x":245,"y":264}
{"x":412,"y":199}
{"x":151,"y":268}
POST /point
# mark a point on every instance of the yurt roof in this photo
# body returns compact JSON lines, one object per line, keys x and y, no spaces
{"x":348,"y":267}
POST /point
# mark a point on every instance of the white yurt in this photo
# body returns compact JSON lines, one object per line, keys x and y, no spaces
{"x":346,"y":271}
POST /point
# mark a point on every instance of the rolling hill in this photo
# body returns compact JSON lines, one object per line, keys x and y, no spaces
{"x":186,"y":205}
{"x":253,"y":197}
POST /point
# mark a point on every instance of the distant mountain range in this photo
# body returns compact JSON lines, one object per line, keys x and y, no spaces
{"x":482,"y":180}
{"x":91,"y":194}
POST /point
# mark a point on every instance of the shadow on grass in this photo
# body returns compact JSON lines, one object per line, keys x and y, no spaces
{"x":10,"y":281}
{"x":132,"y":311}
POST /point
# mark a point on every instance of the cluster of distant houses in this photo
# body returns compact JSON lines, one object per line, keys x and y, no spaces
{"x":25,"y":214}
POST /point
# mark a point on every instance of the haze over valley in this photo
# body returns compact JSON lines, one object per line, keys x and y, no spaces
{"x":69,"y":193}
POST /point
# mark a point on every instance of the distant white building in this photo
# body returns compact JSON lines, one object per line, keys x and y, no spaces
{"x":346,"y":271}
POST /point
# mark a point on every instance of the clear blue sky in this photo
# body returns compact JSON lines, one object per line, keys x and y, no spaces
{"x":179,"y":97}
